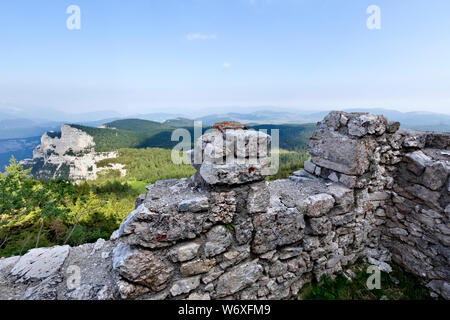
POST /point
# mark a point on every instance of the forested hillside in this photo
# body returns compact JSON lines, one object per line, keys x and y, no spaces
{"x":136,"y":133}
{"x":292,"y":136}
{"x":130,"y":133}
{"x":110,"y":139}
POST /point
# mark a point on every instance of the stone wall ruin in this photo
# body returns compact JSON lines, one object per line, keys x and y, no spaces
{"x":370,"y":190}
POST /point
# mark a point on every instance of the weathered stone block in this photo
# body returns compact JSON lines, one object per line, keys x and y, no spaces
{"x":348,"y":181}
{"x":430,"y":198}
{"x":129,"y":290}
{"x":316,"y":205}
{"x":199,"y":204}
{"x":258,"y":198}
{"x":417,"y":161}
{"x":184,"y":286}
{"x":238,"y":278}
{"x":196,"y":267}
{"x":155,"y":230}
{"x":379,"y":196}
{"x":320,"y":225}
{"x":44,"y":290}
{"x":440,"y":286}
{"x":218,"y":240}
{"x":435,"y":175}
{"x":414,"y":139}
{"x":343,"y":196}
{"x":290,"y":252}
{"x":398,"y":231}
{"x":187,"y":251}
{"x":343,"y":219}
{"x":367,"y":124}
{"x":243,"y":230}
{"x":234,"y":172}
{"x":309,"y":166}
{"x":142,"y":267}
{"x":277,"y":269}
{"x":235,"y":256}
{"x":279,"y":226}
{"x":341,"y":153}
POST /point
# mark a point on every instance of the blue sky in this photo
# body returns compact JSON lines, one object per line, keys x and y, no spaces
{"x":142,"y":56}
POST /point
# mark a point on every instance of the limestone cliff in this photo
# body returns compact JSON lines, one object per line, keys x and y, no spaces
{"x":70,"y":154}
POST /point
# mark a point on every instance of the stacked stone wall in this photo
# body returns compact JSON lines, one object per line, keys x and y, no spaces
{"x":417,"y":228}
{"x":370,"y":190}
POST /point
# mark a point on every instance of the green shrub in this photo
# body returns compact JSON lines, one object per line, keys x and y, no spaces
{"x":398,"y":285}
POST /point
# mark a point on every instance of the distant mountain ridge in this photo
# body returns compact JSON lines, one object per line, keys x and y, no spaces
{"x":425,"y":121}
{"x":19,"y":124}
{"x":19,"y":148}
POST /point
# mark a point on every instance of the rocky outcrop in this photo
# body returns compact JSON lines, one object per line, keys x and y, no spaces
{"x":68,"y":154}
{"x":370,"y":190}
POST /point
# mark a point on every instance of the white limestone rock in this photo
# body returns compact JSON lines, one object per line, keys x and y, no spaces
{"x":184,"y":286}
{"x":316,"y":205}
{"x":187,"y":251}
{"x":40,"y":263}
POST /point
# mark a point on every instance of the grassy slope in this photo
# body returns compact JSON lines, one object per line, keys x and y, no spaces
{"x":144,"y":167}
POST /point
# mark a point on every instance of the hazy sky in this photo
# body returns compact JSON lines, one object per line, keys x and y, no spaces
{"x":141,"y":56}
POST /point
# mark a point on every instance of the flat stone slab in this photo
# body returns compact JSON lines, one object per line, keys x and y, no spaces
{"x":238,"y":278}
{"x":338,"y":152}
{"x":290,"y":191}
{"x":40,"y":263}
